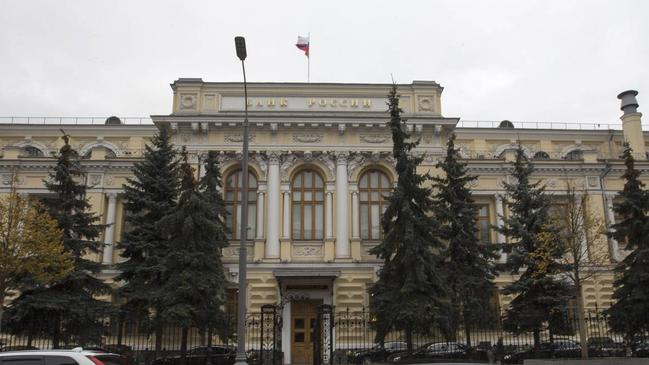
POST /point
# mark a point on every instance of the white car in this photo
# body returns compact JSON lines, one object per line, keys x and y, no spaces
{"x":77,"y":356}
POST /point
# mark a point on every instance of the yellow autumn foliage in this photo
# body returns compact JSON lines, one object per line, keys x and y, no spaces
{"x":31,"y":244}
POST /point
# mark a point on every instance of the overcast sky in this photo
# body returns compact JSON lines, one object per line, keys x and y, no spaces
{"x":518,"y":60}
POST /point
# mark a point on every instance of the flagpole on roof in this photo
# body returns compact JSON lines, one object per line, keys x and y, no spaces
{"x":308,"y":61}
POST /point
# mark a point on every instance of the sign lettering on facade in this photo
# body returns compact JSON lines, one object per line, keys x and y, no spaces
{"x":305,"y":103}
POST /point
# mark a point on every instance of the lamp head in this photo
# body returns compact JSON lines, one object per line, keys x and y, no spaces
{"x":240,"y":44}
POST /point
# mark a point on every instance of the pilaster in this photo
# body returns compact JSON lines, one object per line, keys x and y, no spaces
{"x":342,"y":213}
{"x":500,"y":213}
{"x":109,"y":232}
{"x":274,"y":210}
{"x":285,"y":250}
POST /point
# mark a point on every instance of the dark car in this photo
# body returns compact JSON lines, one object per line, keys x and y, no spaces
{"x":565,"y":349}
{"x":204,"y":355}
{"x":377,"y":353}
{"x":641,"y":348}
{"x":604,"y":347}
{"x":432,"y":352}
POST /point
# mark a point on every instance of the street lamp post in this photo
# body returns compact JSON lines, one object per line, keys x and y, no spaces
{"x":240,"y":359}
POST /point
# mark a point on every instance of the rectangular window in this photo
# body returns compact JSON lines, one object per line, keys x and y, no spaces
{"x":484,"y":224}
{"x":297,"y":215}
{"x":376,"y":218}
{"x":308,"y":222}
{"x":126,"y":226}
{"x":364,"y":223}
{"x":319,"y":218}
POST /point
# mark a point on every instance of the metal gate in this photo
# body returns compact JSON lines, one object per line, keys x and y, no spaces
{"x":270,"y":347}
{"x":323,"y":336}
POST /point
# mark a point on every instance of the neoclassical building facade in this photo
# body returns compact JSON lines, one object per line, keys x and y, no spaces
{"x":320,"y":167}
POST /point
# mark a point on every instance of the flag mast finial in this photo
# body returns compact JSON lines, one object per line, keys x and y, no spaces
{"x":303,"y":44}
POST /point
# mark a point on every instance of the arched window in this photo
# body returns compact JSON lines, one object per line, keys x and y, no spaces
{"x":541,"y":155}
{"x":308,"y":206}
{"x":109,"y":153}
{"x":574,"y":155}
{"x":373,"y":187}
{"x":31,"y":151}
{"x":233,"y":198}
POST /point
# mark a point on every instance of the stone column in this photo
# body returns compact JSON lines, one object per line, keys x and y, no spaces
{"x":260,"y":245}
{"x":260,"y":213}
{"x":342,"y":216}
{"x":329,"y":243}
{"x":583,"y":245}
{"x":356,"y":251}
{"x":356,"y":219}
{"x":614,"y":246}
{"x":286,"y":193}
{"x":109,"y":233}
{"x":329,"y":212}
{"x":499,"y":223}
{"x":272,"y":235}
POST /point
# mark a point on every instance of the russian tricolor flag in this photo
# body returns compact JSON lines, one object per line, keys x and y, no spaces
{"x":303,"y":44}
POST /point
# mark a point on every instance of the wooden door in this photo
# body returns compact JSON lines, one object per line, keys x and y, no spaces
{"x":303,"y":316}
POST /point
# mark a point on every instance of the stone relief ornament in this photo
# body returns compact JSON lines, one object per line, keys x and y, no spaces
{"x":342,"y":157}
{"x":373,"y":138}
{"x":108,"y":180}
{"x":274,"y":158}
{"x":237,"y":137}
{"x":95,"y":179}
{"x":307,"y":251}
{"x":430,"y":159}
{"x":288,"y":160}
{"x":187,"y":101}
{"x":425,"y":104}
{"x":390,"y":160}
{"x":502,"y":182}
{"x":222,"y":158}
{"x":354,"y":163}
{"x":328,"y":161}
{"x":308,"y":138}
{"x":6,"y":179}
{"x":592,"y":182}
{"x":261,"y":162}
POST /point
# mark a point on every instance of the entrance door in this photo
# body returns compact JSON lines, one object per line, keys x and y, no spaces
{"x":303,"y":316}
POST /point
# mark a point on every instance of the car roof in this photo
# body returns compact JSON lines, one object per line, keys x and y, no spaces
{"x":78,"y":350}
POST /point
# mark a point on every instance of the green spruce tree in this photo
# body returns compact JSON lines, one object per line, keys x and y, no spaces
{"x":210,"y":188}
{"x":69,"y":309}
{"x":150,"y":195}
{"x":630,"y":312}
{"x":192,"y":274}
{"x":410,"y":294}
{"x":469,"y":263}
{"x":541,"y":299}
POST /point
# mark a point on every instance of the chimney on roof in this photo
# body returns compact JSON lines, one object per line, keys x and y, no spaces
{"x":632,"y":123}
